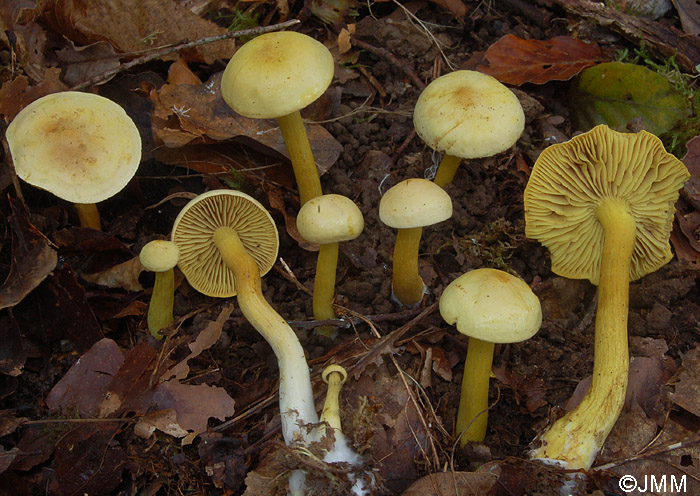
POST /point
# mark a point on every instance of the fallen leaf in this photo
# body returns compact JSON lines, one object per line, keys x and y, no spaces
{"x":476,"y":483}
{"x":687,"y":387}
{"x":130,"y":383}
{"x":12,"y":352}
{"x":275,"y":197}
{"x":18,"y":93}
{"x":224,"y":460}
{"x":689,"y":13}
{"x":33,"y":259}
{"x":513,"y":60}
{"x":9,"y":423}
{"x":615,"y":93}
{"x":456,"y":7}
{"x":204,"y":340}
{"x":82,"y":388}
{"x":82,"y":63}
{"x":134,"y":25}
{"x":124,"y":275}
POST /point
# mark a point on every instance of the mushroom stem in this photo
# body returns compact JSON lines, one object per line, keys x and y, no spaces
{"x":577,"y":437}
{"x":324,"y":287}
{"x":472,"y":416}
{"x":303,"y":163}
{"x":88,"y":215}
{"x":447,"y":170}
{"x":296,"y":396}
{"x":334,"y":376}
{"x":160,"y":310}
{"x":407,"y":284}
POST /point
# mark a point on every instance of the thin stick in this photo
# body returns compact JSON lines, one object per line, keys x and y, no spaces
{"x":168,"y":49}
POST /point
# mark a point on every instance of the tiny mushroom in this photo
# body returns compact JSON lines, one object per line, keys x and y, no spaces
{"x":328,"y":220}
{"x":409,"y":206}
{"x":467,"y":114}
{"x":334,"y":376}
{"x":274,"y":76}
{"x":81,"y":147}
{"x":160,"y":256}
{"x":603,"y":203}
{"x":490,"y":306}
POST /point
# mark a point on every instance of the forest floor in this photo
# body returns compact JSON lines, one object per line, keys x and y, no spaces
{"x":117,"y":423}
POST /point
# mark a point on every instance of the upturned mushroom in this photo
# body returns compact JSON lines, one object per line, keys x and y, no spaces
{"x":328,"y":220}
{"x":81,"y":147}
{"x":467,"y":114}
{"x":603,"y":204}
{"x":409,"y":206}
{"x":160,"y":256}
{"x":227,"y":240}
{"x":489,"y":306}
{"x":274,"y":76}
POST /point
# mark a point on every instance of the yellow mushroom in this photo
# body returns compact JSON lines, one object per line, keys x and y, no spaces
{"x":467,"y":114}
{"x":160,"y":256}
{"x":603,"y":203}
{"x":81,"y":147}
{"x":274,"y":76}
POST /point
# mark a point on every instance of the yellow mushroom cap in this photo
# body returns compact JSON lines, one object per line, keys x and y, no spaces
{"x":568,"y":182}
{"x":468,"y":114}
{"x":193,"y":233}
{"x":414,"y":203}
{"x":159,"y":255}
{"x":276,"y":74}
{"x":491,"y":305}
{"x":330,"y":219}
{"x":79,"y":146}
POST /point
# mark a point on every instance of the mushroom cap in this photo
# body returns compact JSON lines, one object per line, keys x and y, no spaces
{"x":194,"y":229}
{"x":330,"y":219}
{"x":568,"y":182}
{"x":79,"y":146}
{"x":491,"y":305}
{"x":414,"y":203}
{"x":468,"y":114}
{"x":159,"y":255}
{"x":276,"y":74}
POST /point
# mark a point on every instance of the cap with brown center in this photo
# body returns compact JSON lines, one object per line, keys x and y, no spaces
{"x":81,"y":147}
{"x":193,"y":232}
{"x":569,"y":182}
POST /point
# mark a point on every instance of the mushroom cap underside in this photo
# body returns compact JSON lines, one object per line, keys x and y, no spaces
{"x":570,"y":180}
{"x":491,"y":305}
{"x":276,"y":74}
{"x":414,"y":203}
{"x":193,"y":232}
{"x":81,"y":147}
{"x":468,"y":114}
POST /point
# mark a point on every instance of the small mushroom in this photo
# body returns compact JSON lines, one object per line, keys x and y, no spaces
{"x":81,"y":147}
{"x":274,"y":76}
{"x":489,"y":306}
{"x":160,"y":256}
{"x":328,"y":220}
{"x":467,"y":114}
{"x":334,"y":376}
{"x":603,"y":203}
{"x":409,"y":206}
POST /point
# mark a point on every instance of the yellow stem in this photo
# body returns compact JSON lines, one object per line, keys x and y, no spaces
{"x":296,"y":396}
{"x":324,"y":287}
{"x":407,"y":283}
{"x":472,"y":416}
{"x":335,"y":377}
{"x":576,"y":438}
{"x":160,"y":310}
{"x":447,"y":170}
{"x":88,"y":215}
{"x":303,"y":163}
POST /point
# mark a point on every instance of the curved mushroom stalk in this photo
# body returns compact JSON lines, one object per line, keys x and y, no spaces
{"x":300,"y":155}
{"x":407,"y":284}
{"x":447,"y":170}
{"x":577,"y":437}
{"x":296,"y":397}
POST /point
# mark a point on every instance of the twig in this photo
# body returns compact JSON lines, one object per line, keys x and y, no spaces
{"x":168,"y":49}
{"x":383,"y":52}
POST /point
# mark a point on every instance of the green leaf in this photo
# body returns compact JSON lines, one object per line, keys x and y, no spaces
{"x":614,"y":93}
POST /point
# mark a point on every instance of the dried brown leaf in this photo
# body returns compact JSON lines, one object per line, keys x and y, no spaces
{"x":516,"y":61}
{"x":134,"y":25}
{"x":687,"y":388}
{"x":455,"y":483}
{"x":82,"y":63}
{"x":124,"y":275}
{"x":33,"y":259}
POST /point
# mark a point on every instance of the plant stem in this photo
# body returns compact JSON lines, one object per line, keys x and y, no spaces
{"x":407,"y":283}
{"x":303,"y":163}
{"x":577,"y":437}
{"x":296,"y":396}
{"x":472,"y":416}
{"x":324,"y":287}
